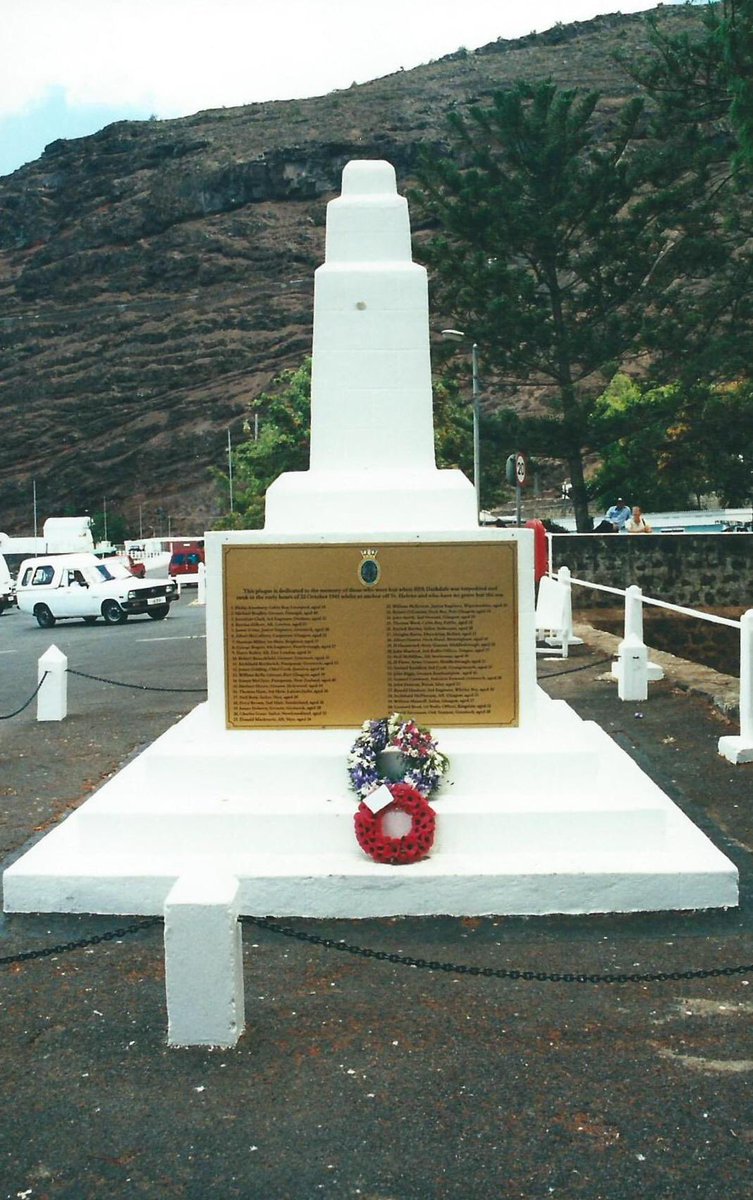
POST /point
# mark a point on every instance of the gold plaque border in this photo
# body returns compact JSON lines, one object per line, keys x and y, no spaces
{"x":234,"y":547}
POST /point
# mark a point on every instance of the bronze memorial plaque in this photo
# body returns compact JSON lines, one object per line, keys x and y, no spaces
{"x":320,"y":636}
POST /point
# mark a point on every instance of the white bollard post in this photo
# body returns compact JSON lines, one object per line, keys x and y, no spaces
{"x":201,"y":590}
{"x":634,"y":612}
{"x":632,"y":676}
{"x":204,"y":961}
{"x":739,"y":749}
{"x":52,"y":697}
{"x":564,"y":577}
{"x":631,"y":667}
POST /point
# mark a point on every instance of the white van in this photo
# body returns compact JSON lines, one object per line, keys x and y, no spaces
{"x":60,"y":586}
{"x":7,"y":590}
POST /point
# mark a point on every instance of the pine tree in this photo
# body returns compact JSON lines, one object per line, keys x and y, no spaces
{"x":561,"y":234}
{"x":699,"y":85}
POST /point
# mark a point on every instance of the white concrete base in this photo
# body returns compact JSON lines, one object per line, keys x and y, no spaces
{"x":203,"y":962}
{"x":552,"y":818}
{"x":650,"y":673}
{"x":426,"y":500}
{"x":736,"y":749}
{"x":633,"y":671}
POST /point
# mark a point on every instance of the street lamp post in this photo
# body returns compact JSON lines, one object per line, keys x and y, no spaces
{"x":230,"y":471}
{"x":457,"y":335}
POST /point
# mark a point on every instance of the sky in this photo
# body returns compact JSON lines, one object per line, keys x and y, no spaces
{"x":70,"y":67}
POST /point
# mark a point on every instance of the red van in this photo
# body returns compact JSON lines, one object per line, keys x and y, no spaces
{"x":185,"y":560}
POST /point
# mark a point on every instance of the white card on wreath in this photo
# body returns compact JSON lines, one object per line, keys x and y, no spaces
{"x":378,"y":799}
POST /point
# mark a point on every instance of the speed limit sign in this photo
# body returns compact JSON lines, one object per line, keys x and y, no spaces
{"x":521,"y":469}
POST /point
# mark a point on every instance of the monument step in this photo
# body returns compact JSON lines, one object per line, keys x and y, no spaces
{"x":688,"y":874}
{"x":479,"y":824}
{"x":199,"y":759}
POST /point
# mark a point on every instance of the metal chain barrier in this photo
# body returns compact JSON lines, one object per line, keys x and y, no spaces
{"x":586,"y":666}
{"x":28,"y":702}
{"x":80,"y":944}
{"x":142,"y":687}
{"x":405,"y":960}
{"x":402,"y":960}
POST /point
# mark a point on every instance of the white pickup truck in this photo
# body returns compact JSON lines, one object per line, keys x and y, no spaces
{"x":60,"y":586}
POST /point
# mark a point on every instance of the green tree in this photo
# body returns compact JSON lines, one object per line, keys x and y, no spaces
{"x":112,"y":523}
{"x":701,"y":79}
{"x":453,"y":438}
{"x":284,"y":418}
{"x":667,"y":447}
{"x":736,"y":39}
{"x":560,"y":239}
{"x":633,"y":433}
{"x":699,"y":83}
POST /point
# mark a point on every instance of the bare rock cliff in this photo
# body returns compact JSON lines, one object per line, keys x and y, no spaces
{"x":155,"y":276}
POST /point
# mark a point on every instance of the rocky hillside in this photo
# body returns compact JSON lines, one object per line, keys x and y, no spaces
{"x":155,"y":276}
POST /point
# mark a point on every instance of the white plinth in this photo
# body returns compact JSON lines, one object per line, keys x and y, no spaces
{"x":203,"y":961}
{"x":736,"y":749}
{"x":427,"y":501}
{"x":554,"y":821}
{"x":548,"y":817}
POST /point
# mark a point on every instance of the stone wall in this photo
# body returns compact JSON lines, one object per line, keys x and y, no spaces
{"x":697,"y":570}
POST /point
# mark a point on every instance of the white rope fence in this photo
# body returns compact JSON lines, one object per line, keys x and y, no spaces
{"x":633,"y":670}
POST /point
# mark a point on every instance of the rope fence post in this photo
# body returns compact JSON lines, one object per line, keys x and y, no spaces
{"x":201,"y":587}
{"x":739,"y":749}
{"x":632,"y":655}
{"x":563,"y":578}
{"x":52,"y":698}
{"x":632,"y":670}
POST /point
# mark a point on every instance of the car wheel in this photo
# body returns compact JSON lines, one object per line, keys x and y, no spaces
{"x":113,"y":613}
{"x":89,"y":620}
{"x":159,"y":613}
{"x":44,"y":617}
{"x":2,"y":606}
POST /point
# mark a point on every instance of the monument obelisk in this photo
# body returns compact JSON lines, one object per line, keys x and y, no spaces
{"x":540,"y":812}
{"x":372,"y":463}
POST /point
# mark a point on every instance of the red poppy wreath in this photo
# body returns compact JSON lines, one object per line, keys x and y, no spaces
{"x":422,"y":769}
{"x":413,"y":845}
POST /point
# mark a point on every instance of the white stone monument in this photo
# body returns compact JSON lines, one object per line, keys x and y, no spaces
{"x":540,"y":813}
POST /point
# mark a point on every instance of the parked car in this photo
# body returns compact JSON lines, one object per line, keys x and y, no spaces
{"x":7,"y":587}
{"x":61,"y":586}
{"x":185,"y":560}
{"x":131,"y":564}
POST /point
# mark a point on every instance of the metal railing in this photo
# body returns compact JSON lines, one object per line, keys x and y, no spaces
{"x":633,"y":670}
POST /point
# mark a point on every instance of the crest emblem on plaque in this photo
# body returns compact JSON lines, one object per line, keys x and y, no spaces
{"x":368,"y":568}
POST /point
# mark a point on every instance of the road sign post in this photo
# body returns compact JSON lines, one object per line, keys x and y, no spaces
{"x":521,"y":479}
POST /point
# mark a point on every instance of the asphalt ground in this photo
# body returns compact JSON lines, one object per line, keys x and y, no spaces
{"x":364,"y":1079}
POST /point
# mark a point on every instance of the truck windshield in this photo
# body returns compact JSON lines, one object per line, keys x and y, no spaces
{"x":119,"y":570}
{"x":113,"y":570}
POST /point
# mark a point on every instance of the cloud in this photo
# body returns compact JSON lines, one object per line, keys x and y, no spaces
{"x":177,"y":56}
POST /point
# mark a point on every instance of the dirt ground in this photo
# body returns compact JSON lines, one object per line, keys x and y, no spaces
{"x":370,"y":1080}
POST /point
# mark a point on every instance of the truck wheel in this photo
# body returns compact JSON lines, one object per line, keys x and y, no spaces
{"x":159,"y":613}
{"x":89,"y":620}
{"x":44,"y":617}
{"x":113,"y":613}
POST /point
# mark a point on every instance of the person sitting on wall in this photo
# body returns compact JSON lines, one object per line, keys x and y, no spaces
{"x":637,"y":523}
{"x":619,"y":515}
